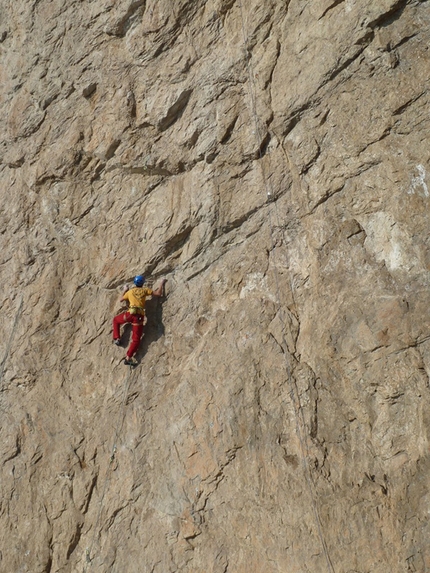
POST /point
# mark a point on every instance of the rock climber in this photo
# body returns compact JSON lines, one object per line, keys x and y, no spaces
{"x":135,"y":315}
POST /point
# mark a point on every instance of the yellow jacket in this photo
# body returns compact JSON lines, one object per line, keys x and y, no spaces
{"x":137,"y":297}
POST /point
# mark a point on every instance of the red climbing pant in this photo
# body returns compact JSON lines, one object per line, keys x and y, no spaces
{"x":136,"y":321}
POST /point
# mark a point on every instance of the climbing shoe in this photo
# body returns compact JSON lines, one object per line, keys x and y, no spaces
{"x":117,"y":341}
{"x":130,"y":361}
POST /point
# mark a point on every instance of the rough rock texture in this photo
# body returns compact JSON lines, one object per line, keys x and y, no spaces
{"x":271,"y":159}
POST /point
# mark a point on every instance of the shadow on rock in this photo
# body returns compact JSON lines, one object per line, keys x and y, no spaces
{"x":154,"y":328}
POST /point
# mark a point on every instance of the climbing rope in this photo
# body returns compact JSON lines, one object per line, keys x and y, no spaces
{"x":12,"y":333}
{"x":119,"y":424}
{"x":294,"y":391}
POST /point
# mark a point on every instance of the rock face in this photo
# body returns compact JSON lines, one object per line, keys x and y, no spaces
{"x":271,"y":160}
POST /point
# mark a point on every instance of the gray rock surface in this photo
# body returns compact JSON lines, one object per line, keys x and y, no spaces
{"x":271,"y":159}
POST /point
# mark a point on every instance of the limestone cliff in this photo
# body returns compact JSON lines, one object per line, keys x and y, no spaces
{"x":270,"y":159}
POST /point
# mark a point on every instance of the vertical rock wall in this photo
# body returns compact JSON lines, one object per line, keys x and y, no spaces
{"x":271,"y":160}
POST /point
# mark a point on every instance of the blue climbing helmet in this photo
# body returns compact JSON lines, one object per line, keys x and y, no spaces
{"x":139,"y":280}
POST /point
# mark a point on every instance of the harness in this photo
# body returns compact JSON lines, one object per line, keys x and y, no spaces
{"x":136,"y":310}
